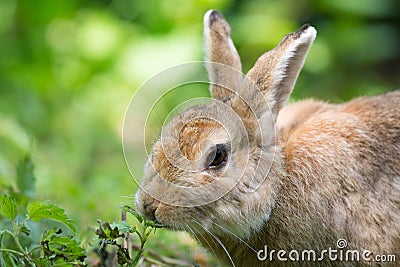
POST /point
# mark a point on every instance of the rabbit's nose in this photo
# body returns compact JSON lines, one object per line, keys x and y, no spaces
{"x":149,"y":209}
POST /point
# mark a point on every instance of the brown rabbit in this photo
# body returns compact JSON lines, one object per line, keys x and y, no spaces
{"x":260,"y":183}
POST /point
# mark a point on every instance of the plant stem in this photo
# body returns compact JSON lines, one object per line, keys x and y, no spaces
{"x":155,"y":262}
{"x":12,"y":251}
{"x":33,"y":249}
{"x":126,"y":241}
{"x":143,"y":235}
{"x":67,"y":264}
{"x":17,"y":230}
{"x":139,"y":253}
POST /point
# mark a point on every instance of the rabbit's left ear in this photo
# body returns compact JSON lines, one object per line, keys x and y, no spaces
{"x":276,"y":72}
{"x":222,"y":59}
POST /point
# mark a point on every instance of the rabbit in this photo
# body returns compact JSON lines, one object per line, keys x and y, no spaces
{"x":247,"y":174}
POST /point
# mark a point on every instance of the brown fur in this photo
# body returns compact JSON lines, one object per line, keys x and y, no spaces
{"x":310,"y":172}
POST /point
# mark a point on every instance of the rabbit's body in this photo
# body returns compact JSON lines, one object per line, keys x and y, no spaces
{"x":329,"y":186}
{"x":296,"y":177}
{"x":343,"y":176}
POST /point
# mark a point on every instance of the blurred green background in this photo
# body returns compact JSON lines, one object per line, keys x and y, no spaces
{"x":68,"y":69}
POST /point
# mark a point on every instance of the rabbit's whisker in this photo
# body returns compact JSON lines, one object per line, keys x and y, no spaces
{"x":219,"y":242}
{"x":199,"y":242}
{"x":228,"y":232}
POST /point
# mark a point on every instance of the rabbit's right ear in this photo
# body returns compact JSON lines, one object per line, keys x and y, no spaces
{"x":276,"y":72}
{"x":222,"y":59}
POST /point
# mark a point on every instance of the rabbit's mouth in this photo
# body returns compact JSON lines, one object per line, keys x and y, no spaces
{"x":158,"y":224}
{"x":168,"y":227}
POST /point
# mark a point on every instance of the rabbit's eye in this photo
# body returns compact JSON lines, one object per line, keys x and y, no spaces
{"x":220,"y":156}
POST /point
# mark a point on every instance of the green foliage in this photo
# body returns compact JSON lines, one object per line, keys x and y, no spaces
{"x":123,"y":227}
{"x":111,"y":234}
{"x":65,"y":248}
{"x":38,"y":210}
{"x":8,"y":207}
{"x":38,"y":233}
{"x":18,"y":245}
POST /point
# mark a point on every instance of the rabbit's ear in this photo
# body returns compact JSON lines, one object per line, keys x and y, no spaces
{"x":275,"y":72}
{"x":222,"y":59}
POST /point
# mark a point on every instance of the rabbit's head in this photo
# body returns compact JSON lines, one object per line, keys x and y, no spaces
{"x":216,"y":167}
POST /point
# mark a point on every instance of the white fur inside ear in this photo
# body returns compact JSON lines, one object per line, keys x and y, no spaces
{"x":206,"y":33}
{"x":290,"y":64}
{"x":309,"y":34}
{"x":206,"y":19}
{"x":299,"y":48}
{"x":306,"y":38}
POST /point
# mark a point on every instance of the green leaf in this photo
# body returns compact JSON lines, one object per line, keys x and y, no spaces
{"x":111,"y":231}
{"x":123,"y":227}
{"x":9,"y":207}
{"x":25,"y":177}
{"x":39,"y":210}
{"x":61,"y":247}
{"x":123,"y":256}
